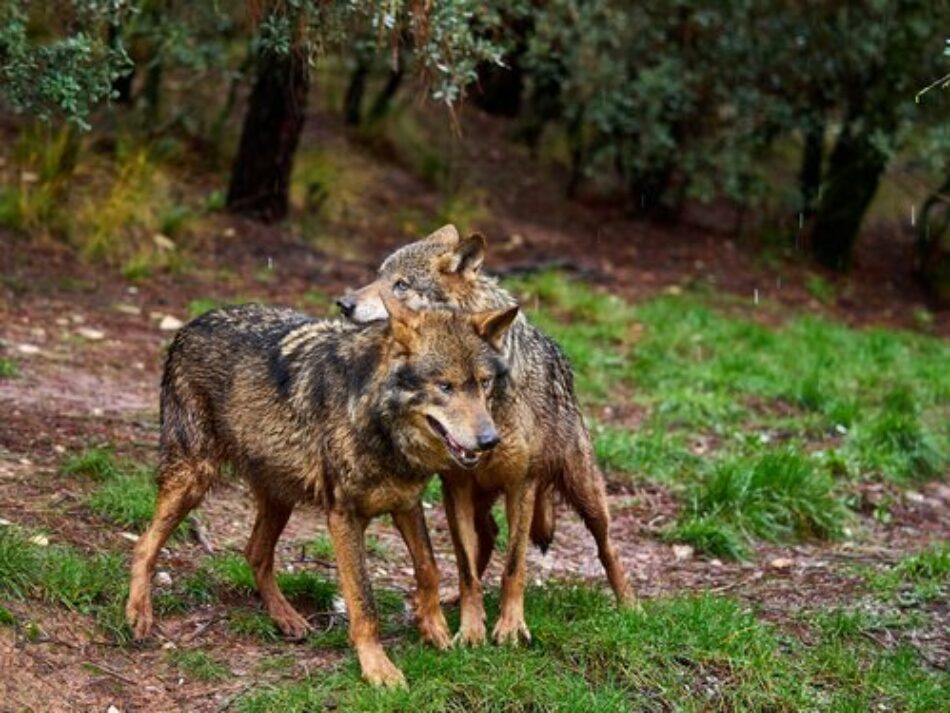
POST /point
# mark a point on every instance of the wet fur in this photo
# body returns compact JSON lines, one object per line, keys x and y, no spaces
{"x":317,"y":411}
{"x":545,"y":448}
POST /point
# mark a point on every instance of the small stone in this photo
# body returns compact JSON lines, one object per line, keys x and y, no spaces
{"x":40,"y":540}
{"x":716,"y":562}
{"x":132,"y":290}
{"x":62,"y":321}
{"x":4,"y":522}
{"x":77,"y":318}
{"x":93,"y":335}
{"x":673,"y":290}
{"x":124,"y":308}
{"x":29,"y":177}
{"x":229,"y":232}
{"x":129,"y":536}
{"x":339,"y":606}
{"x":682,"y":552}
{"x":113,"y":709}
{"x":163,"y":579}
{"x":97,"y":411}
{"x":59,"y":449}
{"x":914,"y":496}
{"x":25,"y":461}
{"x":139,"y":366}
{"x":170,"y":324}
{"x":781,"y":563}
{"x":28,"y":349}
{"x":163,"y":242}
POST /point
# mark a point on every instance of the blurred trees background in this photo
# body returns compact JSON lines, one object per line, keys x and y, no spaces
{"x":665,"y":101}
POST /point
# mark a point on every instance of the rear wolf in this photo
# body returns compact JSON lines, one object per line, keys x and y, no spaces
{"x":352,"y":418}
{"x":545,"y":447}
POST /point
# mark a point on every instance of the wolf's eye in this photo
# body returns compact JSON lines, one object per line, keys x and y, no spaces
{"x":400,"y":286}
{"x":486,"y":384}
{"x":445,"y":387}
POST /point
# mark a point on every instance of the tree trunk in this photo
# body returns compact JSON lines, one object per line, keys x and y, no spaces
{"x":121,"y":85}
{"x":809,"y":179}
{"x":933,"y":244}
{"x":260,"y":177}
{"x":353,"y":101}
{"x":384,"y":99}
{"x":854,"y":170}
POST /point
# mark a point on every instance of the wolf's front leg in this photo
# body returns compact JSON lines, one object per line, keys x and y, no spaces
{"x":519,"y":505}
{"x":429,"y":617}
{"x":460,"y":511}
{"x":346,"y":532}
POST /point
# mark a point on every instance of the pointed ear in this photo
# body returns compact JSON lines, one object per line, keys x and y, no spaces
{"x":491,"y":326}
{"x":447,"y":235}
{"x":402,"y":320}
{"x":467,"y":258}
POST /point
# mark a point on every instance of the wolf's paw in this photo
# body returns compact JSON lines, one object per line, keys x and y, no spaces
{"x":511,"y":630}
{"x":290,"y":622}
{"x":435,"y":630}
{"x":470,"y":634}
{"x":138,"y":614}
{"x":378,"y":670}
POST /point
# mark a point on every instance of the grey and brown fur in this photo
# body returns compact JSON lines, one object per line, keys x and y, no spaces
{"x":545,"y":444}
{"x":351,"y":418}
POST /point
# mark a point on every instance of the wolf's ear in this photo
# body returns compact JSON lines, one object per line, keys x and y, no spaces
{"x":402,"y":320}
{"x":467,"y":258}
{"x":446,"y":235}
{"x":491,"y":326}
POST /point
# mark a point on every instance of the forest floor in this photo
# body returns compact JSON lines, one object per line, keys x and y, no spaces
{"x":82,"y":351}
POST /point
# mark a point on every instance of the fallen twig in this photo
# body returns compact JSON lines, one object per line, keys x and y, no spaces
{"x":111,"y":672}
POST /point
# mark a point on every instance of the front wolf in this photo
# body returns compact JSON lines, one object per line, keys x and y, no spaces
{"x":545,"y":446}
{"x":352,"y":418}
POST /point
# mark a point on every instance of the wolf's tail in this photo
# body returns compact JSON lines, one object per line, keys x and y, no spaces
{"x":543,"y":520}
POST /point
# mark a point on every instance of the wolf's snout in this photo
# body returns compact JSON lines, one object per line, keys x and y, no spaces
{"x":487,"y":439}
{"x":346,"y":303}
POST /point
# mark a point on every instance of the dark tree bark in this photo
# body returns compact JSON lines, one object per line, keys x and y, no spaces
{"x":854,"y":171}
{"x":353,"y":101}
{"x":383,"y":101}
{"x":933,"y":244}
{"x":809,"y":179}
{"x":499,"y":89}
{"x":260,"y":177}
{"x":122,"y":85}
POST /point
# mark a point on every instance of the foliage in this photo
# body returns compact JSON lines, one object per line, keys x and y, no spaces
{"x":67,"y":67}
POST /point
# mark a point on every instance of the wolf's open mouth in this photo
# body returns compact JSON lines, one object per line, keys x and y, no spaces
{"x":463,"y":456}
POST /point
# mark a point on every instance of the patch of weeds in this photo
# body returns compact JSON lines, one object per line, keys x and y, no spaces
{"x":127,"y":498}
{"x":319,"y":591}
{"x":819,"y":288}
{"x":90,"y":584}
{"x":199,"y":306}
{"x":231,"y":571}
{"x":197,"y":665}
{"x":464,"y":208}
{"x":777,"y":496}
{"x":501,"y":541}
{"x":282,"y":663}
{"x":921,"y":577}
{"x":652,"y":453}
{"x":895,"y":442}
{"x":254,"y":624}
{"x":710,"y":536}
{"x":9,"y":369}
{"x":375,"y":546}
{"x":321,"y":547}
{"x":6,"y":617}
{"x":433,"y":492}
{"x":97,"y":462}
{"x":319,"y":302}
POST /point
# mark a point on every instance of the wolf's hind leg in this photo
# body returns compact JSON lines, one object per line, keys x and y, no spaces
{"x":584,"y":489}
{"x":431,"y":621}
{"x":272,"y":517}
{"x":181,"y":487}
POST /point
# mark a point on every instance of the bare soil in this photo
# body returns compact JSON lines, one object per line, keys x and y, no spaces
{"x":74,"y":391}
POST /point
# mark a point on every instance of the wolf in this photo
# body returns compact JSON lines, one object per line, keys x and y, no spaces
{"x":353,"y":418}
{"x":546,"y":447}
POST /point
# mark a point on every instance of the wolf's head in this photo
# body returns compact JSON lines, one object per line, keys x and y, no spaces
{"x":438,"y":271}
{"x":444,"y":367}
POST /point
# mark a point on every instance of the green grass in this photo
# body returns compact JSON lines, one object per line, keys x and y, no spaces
{"x":720,"y":393}
{"x":197,"y":665}
{"x":920,"y":577}
{"x":253,"y":624}
{"x":125,"y":492}
{"x":9,"y":369}
{"x":779,"y":496}
{"x":679,"y":653}
{"x":93,"y":584}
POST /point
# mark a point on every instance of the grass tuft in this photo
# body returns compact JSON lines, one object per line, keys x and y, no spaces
{"x":779,"y":495}
{"x":9,"y":369}
{"x":97,"y":463}
{"x":197,"y":665}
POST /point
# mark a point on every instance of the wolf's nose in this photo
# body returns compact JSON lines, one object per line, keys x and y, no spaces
{"x":347,"y":304}
{"x":488,"y":439}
